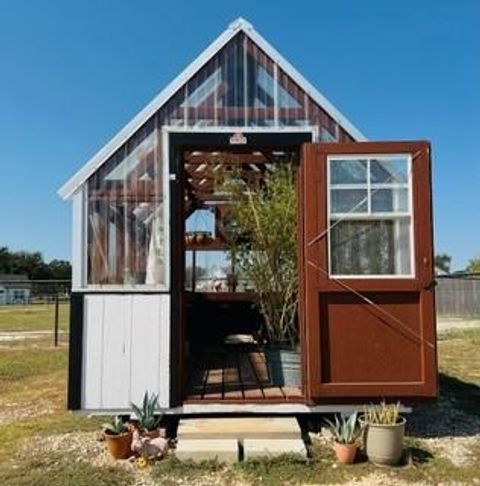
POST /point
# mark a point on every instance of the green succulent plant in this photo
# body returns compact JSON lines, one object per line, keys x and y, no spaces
{"x":145,"y":414}
{"x":345,"y":430}
{"x":116,"y":426}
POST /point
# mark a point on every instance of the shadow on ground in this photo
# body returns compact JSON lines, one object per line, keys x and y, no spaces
{"x":456,"y":413}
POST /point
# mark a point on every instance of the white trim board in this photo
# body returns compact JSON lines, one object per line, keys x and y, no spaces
{"x":239,"y":25}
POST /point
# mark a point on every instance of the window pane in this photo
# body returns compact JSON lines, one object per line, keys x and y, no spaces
{"x":370,"y":247}
{"x":389,"y":170}
{"x":348,"y":200}
{"x":389,"y":200}
{"x":348,"y":171}
{"x":212,"y":270}
{"x":125,"y":216}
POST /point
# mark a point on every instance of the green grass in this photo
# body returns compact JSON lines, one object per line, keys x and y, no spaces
{"x":58,"y":470}
{"x":35,"y":317}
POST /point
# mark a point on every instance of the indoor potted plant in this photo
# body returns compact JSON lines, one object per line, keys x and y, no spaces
{"x":263,"y":241}
{"x":345,"y":432}
{"x":384,"y":432}
{"x":118,"y":438}
{"x":147,"y":420}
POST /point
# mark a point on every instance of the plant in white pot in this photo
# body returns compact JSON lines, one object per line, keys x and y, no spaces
{"x":262,"y":235}
{"x":345,"y":432}
{"x":384,"y":433}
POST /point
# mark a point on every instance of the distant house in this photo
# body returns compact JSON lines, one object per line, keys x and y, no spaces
{"x":14,"y":289}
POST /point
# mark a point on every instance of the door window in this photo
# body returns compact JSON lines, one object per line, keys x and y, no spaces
{"x":370,"y":216}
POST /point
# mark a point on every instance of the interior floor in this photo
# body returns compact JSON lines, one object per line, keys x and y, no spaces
{"x":233,"y":372}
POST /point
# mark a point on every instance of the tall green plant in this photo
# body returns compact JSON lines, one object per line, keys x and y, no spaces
{"x":263,"y":239}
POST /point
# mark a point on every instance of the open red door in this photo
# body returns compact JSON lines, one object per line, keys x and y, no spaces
{"x":367,"y":273}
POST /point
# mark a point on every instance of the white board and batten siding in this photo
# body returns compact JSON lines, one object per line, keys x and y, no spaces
{"x":126,"y":350}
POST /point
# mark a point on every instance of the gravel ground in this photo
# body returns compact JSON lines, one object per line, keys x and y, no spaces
{"x":446,"y":429}
{"x":10,"y":411}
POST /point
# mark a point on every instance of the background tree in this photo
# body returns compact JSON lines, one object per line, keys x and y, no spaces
{"x":473,"y":265}
{"x":443,"y":262}
{"x":33,"y":265}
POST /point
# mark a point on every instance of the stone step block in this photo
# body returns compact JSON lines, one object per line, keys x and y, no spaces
{"x":198,"y":450}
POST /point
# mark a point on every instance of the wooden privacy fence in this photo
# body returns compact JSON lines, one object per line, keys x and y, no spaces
{"x":458,"y":296}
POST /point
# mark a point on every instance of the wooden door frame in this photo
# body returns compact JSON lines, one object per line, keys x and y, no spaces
{"x":423,"y":271}
{"x":174,"y":142}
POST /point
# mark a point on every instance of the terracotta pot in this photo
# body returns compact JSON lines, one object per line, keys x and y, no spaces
{"x":384,"y":443}
{"x":119,"y":445}
{"x":345,"y":452}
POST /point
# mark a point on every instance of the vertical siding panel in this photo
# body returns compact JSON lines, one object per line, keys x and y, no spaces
{"x":145,"y":350}
{"x":164,"y":355}
{"x":116,"y":351}
{"x":93,"y":352}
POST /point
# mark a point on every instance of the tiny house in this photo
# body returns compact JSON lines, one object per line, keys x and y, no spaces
{"x":14,"y":289}
{"x":157,"y":303}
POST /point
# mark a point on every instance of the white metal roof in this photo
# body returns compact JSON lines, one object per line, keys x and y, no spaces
{"x":71,"y":186}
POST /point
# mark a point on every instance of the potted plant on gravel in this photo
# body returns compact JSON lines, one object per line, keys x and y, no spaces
{"x":263,"y":241}
{"x":147,"y":417}
{"x":345,"y":432}
{"x":384,"y":432}
{"x":118,"y":438}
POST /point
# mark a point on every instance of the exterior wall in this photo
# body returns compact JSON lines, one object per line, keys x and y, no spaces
{"x":126,"y":350}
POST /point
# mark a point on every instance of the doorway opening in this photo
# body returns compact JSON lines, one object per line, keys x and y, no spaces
{"x":226,"y":352}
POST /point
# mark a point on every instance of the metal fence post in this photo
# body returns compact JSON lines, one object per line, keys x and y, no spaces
{"x":55,"y":331}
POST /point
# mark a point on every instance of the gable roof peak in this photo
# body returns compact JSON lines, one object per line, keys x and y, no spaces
{"x":240,"y":24}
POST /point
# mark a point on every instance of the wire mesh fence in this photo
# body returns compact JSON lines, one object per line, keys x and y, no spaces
{"x":34,"y":308}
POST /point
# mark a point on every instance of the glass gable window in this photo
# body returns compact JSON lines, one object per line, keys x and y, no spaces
{"x":370,"y":216}
{"x":240,"y":86}
{"x":125,"y":217}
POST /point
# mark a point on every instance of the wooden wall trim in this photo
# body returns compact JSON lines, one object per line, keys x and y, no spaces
{"x":74,"y":399}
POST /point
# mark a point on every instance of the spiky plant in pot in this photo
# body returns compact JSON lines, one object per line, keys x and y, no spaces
{"x":384,"y":433}
{"x":345,"y":432}
{"x":118,"y":438}
{"x":147,"y":416}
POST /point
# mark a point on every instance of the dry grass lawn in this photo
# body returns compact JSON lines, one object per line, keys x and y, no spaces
{"x":34,"y":317}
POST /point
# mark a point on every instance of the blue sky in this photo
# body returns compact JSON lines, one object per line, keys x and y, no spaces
{"x":73,"y":73}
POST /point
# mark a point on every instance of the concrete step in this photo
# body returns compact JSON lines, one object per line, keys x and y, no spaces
{"x":198,"y":450}
{"x":256,"y":448}
{"x":233,"y":439}
{"x":239,"y":428}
